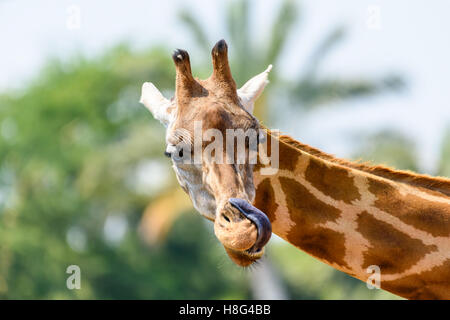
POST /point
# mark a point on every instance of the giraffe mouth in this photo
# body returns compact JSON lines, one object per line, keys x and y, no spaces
{"x":243,"y":230}
{"x":260,"y":220}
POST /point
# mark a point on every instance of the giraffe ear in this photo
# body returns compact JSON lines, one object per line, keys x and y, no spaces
{"x":156,"y":103}
{"x":252,"y":89}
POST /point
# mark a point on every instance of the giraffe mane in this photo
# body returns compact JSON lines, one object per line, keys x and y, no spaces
{"x":439,"y":184}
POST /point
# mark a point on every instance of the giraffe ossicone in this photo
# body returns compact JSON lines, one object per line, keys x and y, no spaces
{"x":349,"y":215}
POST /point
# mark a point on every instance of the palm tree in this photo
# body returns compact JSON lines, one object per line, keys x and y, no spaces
{"x":248,"y":57}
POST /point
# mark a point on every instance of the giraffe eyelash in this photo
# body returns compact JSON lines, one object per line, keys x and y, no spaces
{"x":182,"y":135}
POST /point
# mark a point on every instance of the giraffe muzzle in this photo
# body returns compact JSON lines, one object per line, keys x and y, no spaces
{"x":243,"y":230}
{"x":260,"y":220}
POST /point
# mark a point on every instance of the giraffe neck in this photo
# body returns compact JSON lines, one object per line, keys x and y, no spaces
{"x":352,"y":219}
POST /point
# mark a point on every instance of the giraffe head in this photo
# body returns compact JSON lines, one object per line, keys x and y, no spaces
{"x":216,"y":173}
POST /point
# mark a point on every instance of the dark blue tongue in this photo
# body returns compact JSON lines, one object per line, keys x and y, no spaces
{"x":260,"y":220}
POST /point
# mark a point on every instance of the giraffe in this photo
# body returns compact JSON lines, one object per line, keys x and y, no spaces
{"x":349,"y":215}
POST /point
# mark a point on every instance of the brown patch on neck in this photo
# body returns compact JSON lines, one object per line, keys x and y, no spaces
{"x":393,"y":251}
{"x":426,"y":215}
{"x":307,"y":212}
{"x":306,"y":204}
{"x":288,"y":157}
{"x":324,"y":244}
{"x":265,"y":199}
{"x":332,"y":181}
{"x":426,"y":285}
{"x":438,"y":184}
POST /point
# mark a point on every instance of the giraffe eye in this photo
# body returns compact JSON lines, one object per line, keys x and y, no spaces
{"x":178,"y":155}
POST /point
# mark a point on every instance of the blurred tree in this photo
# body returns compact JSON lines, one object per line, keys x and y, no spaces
{"x":444,"y":165}
{"x":80,"y":159}
{"x":389,"y":148}
{"x":249,"y":57}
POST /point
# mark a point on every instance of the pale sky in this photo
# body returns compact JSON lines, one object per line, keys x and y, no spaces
{"x":411,"y":38}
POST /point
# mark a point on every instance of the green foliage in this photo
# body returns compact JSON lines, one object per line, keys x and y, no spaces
{"x":250,"y":57}
{"x":70,"y":143}
{"x":389,"y":148}
{"x":444,"y":165}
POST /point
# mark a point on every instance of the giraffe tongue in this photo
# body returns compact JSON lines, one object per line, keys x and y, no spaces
{"x":260,"y":220}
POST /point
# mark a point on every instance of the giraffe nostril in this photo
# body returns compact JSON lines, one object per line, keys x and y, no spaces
{"x":167,"y":154}
{"x":226,"y":218}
